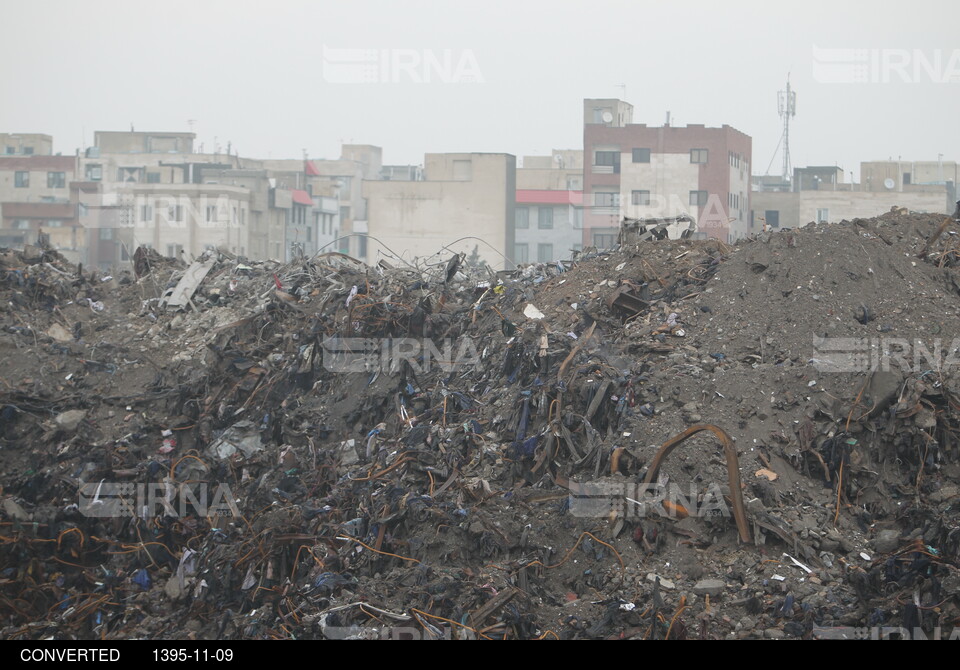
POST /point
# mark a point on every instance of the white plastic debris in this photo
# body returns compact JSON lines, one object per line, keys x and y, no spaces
{"x":799,"y":564}
{"x":353,"y":294}
{"x":532,"y":312}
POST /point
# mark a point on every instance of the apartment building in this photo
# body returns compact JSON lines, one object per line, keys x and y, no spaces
{"x":642,"y":171}
{"x":465,"y":202}
{"x":820,"y":194}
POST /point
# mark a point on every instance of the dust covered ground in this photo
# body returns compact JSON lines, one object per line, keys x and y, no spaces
{"x":254,"y":468}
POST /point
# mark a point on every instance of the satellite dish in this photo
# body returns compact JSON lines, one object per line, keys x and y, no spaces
{"x":889,"y":183}
{"x":607,"y":117}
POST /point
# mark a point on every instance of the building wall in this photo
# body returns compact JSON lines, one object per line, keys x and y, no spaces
{"x":667,"y":177}
{"x":22,"y":223}
{"x":798,"y":209}
{"x":874,"y":173}
{"x":122,"y":142}
{"x":226,"y":225}
{"x":462,"y":195}
{"x":37,"y":167}
{"x":357,"y":163}
{"x":562,"y":170}
{"x":563,"y":237}
{"x":717,"y":176}
{"x":25,"y":144}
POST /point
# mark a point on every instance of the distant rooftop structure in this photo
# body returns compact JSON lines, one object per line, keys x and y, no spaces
{"x":25,"y":144}
{"x":120,"y":142}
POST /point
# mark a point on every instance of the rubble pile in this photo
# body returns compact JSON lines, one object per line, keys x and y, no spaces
{"x":325,"y":449}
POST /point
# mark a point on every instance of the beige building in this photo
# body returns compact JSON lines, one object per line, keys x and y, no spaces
{"x":25,"y":144}
{"x":562,"y":170}
{"x":35,"y":196}
{"x":886,"y":176}
{"x":132,"y":142}
{"x":188,"y":218}
{"x":820,"y":194}
{"x":358,"y":163}
{"x":790,"y":210}
{"x":463,"y":195}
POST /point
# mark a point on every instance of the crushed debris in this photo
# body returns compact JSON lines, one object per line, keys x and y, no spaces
{"x":250,"y":450}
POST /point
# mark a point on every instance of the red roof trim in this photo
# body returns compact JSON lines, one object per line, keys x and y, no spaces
{"x":542,"y":196}
{"x":302,"y":197}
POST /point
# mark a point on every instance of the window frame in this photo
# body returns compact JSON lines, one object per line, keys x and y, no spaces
{"x":542,"y":224}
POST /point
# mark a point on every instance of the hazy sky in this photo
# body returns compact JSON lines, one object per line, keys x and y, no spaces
{"x":257,"y":74}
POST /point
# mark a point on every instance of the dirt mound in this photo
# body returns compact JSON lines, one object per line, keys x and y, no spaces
{"x":326,"y":449}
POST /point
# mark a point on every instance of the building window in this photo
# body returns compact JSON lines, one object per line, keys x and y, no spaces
{"x":129,"y":175}
{"x":608,"y":159}
{"x":28,"y":151}
{"x":309,"y":233}
{"x":641,"y":155}
{"x":574,"y":183}
{"x":698,"y":198}
{"x":545,"y":218}
{"x":823,"y":215}
{"x":21,"y":224}
{"x":146,"y":212}
{"x":211,"y":212}
{"x":56,"y":180}
{"x":11,"y":150}
{"x":54,"y":223}
{"x":521,"y":217}
{"x":173,"y":250}
{"x":772,"y":217}
{"x":640,"y":197}
{"x":153,"y":177}
{"x":698,"y":155}
{"x":606,"y":199}
{"x":544,"y":253}
{"x":175,"y":213}
{"x":21,"y":179}
{"x":106,"y":233}
{"x":94,"y":172}
{"x":604,"y":240}
{"x":521,"y":253}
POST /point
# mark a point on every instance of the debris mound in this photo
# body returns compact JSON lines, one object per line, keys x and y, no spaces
{"x":675,"y":439}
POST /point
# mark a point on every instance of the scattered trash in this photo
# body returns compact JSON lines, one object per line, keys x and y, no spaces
{"x":428,"y":442}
